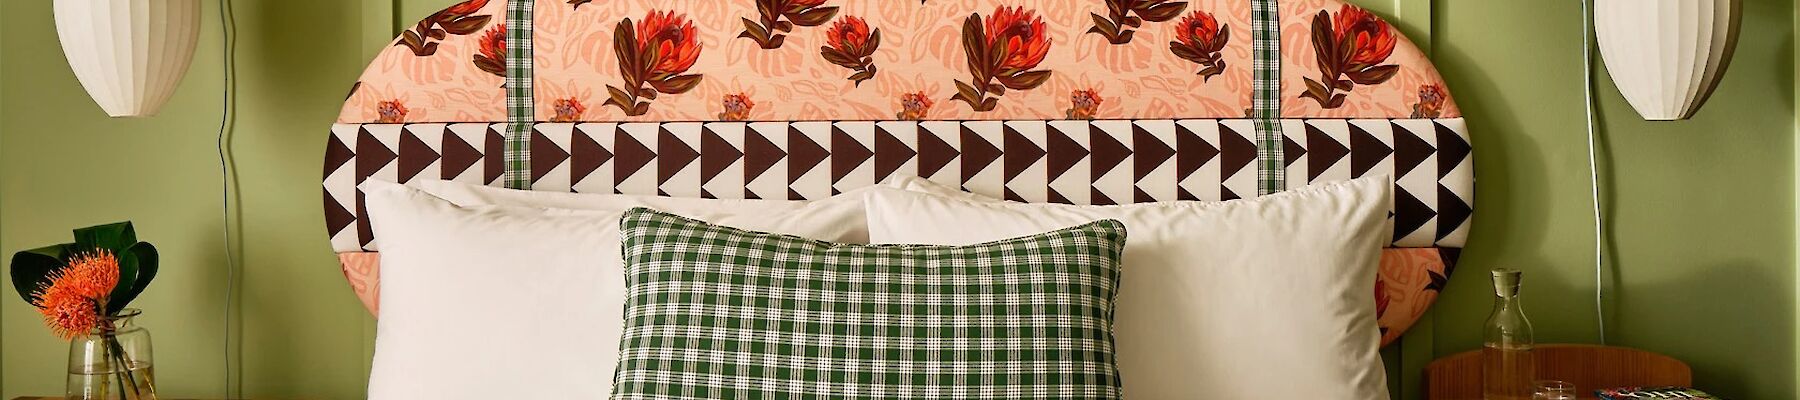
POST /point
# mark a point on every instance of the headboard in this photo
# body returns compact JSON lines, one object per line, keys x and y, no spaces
{"x":1067,"y":101}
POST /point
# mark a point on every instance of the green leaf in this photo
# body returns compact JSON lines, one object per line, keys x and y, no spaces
{"x":145,"y":257}
{"x":31,"y":269}
{"x":115,"y":236}
{"x":128,"y":274}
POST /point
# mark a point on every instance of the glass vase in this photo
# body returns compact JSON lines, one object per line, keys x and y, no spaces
{"x":1507,"y":367}
{"x":113,"y":362}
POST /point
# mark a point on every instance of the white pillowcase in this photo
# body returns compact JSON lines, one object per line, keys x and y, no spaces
{"x":1250,"y":299}
{"x":493,"y":302}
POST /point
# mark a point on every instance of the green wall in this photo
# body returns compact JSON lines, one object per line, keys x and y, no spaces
{"x":1702,"y":211}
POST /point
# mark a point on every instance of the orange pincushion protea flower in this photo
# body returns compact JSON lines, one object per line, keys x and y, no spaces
{"x":71,"y":301}
{"x":1019,"y":35}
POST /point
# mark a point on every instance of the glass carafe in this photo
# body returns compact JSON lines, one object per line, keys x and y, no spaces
{"x":112,"y":363}
{"x":1507,"y":367}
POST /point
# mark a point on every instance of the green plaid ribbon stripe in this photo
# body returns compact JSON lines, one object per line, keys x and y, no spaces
{"x":715,"y":312}
{"x":519,"y":113}
{"x":1265,"y":26}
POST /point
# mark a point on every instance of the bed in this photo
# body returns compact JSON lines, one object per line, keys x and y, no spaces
{"x":1092,"y":103}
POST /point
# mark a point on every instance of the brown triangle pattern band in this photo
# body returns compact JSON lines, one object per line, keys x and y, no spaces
{"x":1067,"y":161}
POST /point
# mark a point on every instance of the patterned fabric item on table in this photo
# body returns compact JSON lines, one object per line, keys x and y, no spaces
{"x":718,"y":312}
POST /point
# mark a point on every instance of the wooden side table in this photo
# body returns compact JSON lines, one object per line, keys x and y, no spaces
{"x":1589,"y":367}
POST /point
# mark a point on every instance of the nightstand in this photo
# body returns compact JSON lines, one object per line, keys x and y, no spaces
{"x":1589,"y":367}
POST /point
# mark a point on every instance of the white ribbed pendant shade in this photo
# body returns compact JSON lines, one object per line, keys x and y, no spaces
{"x":129,"y":54}
{"x":1666,"y":55}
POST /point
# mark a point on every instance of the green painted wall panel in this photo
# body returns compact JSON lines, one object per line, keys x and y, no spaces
{"x":1702,"y":210}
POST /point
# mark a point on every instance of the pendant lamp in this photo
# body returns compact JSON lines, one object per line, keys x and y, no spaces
{"x":129,"y":54}
{"x":1665,"y":56}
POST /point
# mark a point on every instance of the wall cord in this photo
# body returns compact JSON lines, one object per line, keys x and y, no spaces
{"x":228,"y":39}
{"x":1587,"y":63}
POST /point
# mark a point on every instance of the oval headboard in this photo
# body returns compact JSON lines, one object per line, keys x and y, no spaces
{"x":1068,"y":101}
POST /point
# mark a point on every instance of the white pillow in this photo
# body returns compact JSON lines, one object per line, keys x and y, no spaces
{"x":493,"y":302}
{"x":1249,"y":299}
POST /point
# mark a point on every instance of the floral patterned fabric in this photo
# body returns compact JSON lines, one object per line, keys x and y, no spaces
{"x":953,"y":60}
{"x":790,"y":60}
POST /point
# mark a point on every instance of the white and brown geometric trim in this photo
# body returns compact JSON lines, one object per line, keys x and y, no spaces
{"x":1064,"y":161}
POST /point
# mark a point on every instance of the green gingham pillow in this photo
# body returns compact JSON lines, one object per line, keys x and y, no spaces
{"x":715,"y":312}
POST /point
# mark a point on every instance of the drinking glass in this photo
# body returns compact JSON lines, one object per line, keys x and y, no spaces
{"x":1553,"y":390}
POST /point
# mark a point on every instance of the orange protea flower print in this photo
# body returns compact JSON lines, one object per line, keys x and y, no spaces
{"x":71,"y":301}
{"x":848,"y":35}
{"x":466,"y":7}
{"x":1001,"y":50}
{"x":669,"y":39}
{"x":1019,"y":35}
{"x":737,"y":107}
{"x":849,"y":43}
{"x":568,"y":110}
{"x":1349,"y":48}
{"x":390,"y":112}
{"x":1199,"y":38}
{"x":493,"y":43}
{"x":490,"y":55}
{"x":1371,"y":40}
{"x":1084,"y":104}
{"x":665,"y":47}
{"x":913,"y":106}
{"x":1198,"y":30}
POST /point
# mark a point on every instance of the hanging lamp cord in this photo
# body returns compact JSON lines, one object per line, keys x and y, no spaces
{"x":228,"y":68}
{"x":1587,"y":63}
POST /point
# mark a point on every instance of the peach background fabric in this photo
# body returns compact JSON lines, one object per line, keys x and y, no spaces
{"x":920,"y":52}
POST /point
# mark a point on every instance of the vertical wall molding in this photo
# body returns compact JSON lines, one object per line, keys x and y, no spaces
{"x":379,"y":25}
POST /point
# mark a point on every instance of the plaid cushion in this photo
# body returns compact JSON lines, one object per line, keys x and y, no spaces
{"x":720,"y":313}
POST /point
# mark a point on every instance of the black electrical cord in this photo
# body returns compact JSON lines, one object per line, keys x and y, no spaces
{"x":228,"y":39}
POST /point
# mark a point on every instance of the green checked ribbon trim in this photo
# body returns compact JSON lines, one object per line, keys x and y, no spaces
{"x":1265,"y":108}
{"x":519,"y":113}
